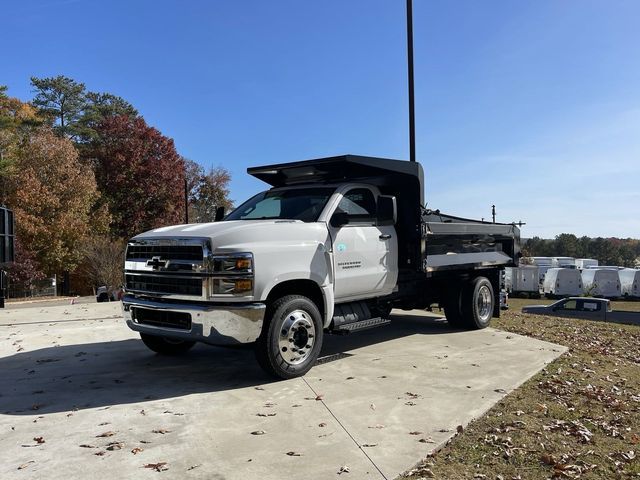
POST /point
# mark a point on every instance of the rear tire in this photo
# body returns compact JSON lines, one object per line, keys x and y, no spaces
{"x":291,"y":337}
{"x":453,"y":307}
{"x":165,"y":345}
{"x":478,"y":301}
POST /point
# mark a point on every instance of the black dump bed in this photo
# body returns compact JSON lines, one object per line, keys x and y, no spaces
{"x":429,"y":241}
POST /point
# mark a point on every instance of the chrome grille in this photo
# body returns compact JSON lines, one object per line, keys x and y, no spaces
{"x":169,"y":267}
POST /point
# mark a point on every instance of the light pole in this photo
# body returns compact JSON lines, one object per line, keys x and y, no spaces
{"x":412,"y":119}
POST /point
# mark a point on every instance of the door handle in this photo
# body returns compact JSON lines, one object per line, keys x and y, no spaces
{"x":384,"y":236}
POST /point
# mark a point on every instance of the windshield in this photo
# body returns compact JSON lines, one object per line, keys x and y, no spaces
{"x":295,"y":204}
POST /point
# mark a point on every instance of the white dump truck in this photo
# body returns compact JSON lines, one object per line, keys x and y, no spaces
{"x":562,"y":282}
{"x":331,"y":247}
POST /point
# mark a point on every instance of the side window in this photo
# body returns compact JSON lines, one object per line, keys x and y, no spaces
{"x":569,"y":305}
{"x":359,"y":204}
{"x":591,"y":306}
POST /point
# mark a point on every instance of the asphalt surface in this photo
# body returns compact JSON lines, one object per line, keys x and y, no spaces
{"x":82,"y":397}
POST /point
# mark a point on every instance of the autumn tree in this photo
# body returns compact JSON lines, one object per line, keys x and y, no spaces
{"x":140,"y":175}
{"x":62,"y":100}
{"x":17,"y":119}
{"x":103,"y":260}
{"x":25,"y":271}
{"x":207,"y":190}
{"x":97,"y":108}
{"x":54,"y":198}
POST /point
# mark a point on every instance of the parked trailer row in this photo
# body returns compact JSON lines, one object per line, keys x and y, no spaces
{"x":563,"y":282}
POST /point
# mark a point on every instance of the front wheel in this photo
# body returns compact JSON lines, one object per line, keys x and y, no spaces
{"x":165,"y":345}
{"x":291,"y":337}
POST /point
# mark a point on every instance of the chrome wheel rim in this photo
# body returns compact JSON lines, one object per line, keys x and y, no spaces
{"x":297,"y":337}
{"x":485,"y":304}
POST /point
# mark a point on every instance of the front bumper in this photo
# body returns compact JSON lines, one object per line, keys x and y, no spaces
{"x":215,"y":324}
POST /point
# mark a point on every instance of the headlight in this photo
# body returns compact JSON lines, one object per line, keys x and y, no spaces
{"x":231,"y":275}
{"x":232,"y":263}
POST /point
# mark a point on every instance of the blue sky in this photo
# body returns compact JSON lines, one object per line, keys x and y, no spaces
{"x":532,"y":105}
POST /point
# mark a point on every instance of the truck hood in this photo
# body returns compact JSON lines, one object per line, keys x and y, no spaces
{"x":244,"y":234}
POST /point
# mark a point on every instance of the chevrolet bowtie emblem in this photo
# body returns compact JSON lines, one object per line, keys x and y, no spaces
{"x":157,"y":263}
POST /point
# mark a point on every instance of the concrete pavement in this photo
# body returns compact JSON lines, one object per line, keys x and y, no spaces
{"x":104,"y":406}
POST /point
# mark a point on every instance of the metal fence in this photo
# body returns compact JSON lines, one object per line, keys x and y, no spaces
{"x":41,"y":288}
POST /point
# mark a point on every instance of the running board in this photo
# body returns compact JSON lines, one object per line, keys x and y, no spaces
{"x":361,"y":325}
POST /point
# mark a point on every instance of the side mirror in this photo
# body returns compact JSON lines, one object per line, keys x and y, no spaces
{"x":339,"y":219}
{"x":387,"y":211}
{"x":219,"y":214}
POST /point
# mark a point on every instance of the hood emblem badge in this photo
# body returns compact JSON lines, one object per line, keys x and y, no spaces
{"x":156,"y":263}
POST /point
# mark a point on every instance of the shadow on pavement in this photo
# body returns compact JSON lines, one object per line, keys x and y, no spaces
{"x":94,"y":375}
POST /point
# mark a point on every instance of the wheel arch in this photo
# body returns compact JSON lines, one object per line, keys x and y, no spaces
{"x":321,"y":297}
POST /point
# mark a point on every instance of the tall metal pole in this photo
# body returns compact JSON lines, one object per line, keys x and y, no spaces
{"x":412,"y":119}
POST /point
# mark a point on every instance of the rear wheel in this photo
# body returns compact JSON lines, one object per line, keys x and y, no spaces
{"x":165,"y":345}
{"x":453,"y":307}
{"x":478,"y":301}
{"x":291,"y":337}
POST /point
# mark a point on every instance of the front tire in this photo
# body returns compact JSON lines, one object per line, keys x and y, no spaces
{"x":291,"y":337}
{"x":478,"y":301}
{"x":165,"y":345}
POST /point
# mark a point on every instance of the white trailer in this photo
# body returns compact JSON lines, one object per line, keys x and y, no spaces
{"x":586,"y":263}
{"x":562,"y":282}
{"x":522,"y":280}
{"x":630,"y":282}
{"x":601,"y":282}
{"x":563,"y":262}
{"x":543,"y":264}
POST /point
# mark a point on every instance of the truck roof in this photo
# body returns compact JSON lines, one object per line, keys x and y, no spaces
{"x":351,"y":168}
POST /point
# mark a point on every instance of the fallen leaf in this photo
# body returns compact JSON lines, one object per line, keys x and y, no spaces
{"x":427,"y":440}
{"x":319,"y":397}
{"x":161,"y":431}
{"x":294,"y":454}
{"x":137,"y":450}
{"x":500,"y":390}
{"x":377,"y":426}
{"x":265,"y":414}
{"x":369,"y":444}
{"x":85,"y":445}
{"x":158,"y":467}
{"x":100,"y":453}
{"x":25,"y":465}
{"x":38,"y":440}
{"x":106,"y":434}
{"x":459,"y":429}
{"x":415,"y":433}
{"x":343,"y":469}
{"x":258,"y":432}
{"x":196,"y":466}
